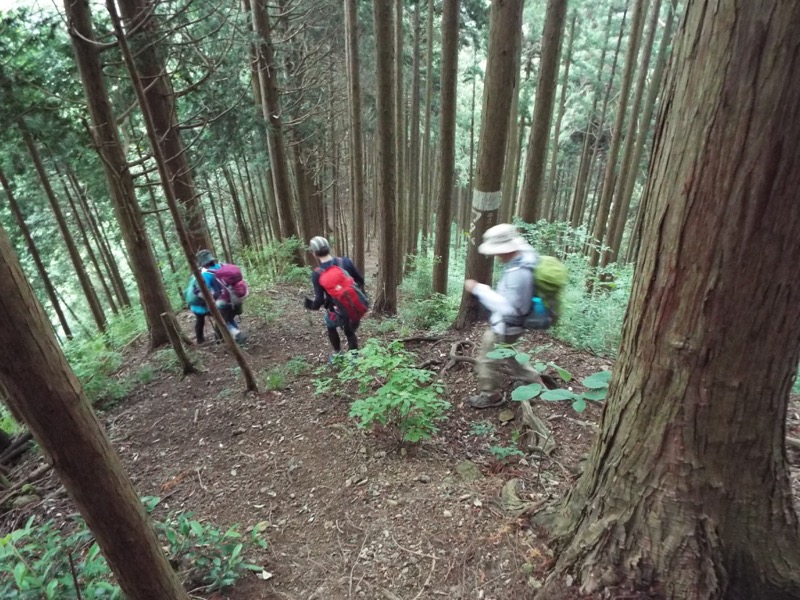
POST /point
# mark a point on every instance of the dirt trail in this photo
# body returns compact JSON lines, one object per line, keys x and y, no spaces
{"x":346,"y":513}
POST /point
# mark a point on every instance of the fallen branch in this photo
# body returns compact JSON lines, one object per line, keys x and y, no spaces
{"x":32,"y":477}
{"x":538,"y":436}
{"x":17,"y":447}
{"x":432,"y":338}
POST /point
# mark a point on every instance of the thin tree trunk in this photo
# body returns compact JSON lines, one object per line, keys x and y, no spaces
{"x":412,"y":225}
{"x":159,"y":96}
{"x":619,"y":212}
{"x":637,"y":24}
{"x":386,"y":297}
{"x":447,"y":137}
{"x":592,"y":139}
{"x":549,"y":193}
{"x":72,"y":250}
{"x":101,"y":276}
{"x":37,"y":259}
{"x":356,"y":135}
{"x":644,"y":127}
{"x":400,"y":137}
{"x":505,"y":31}
{"x":271,"y":111}
{"x":172,"y":200}
{"x":426,"y":146}
{"x":241,"y":227}
{"x":555,"y":20}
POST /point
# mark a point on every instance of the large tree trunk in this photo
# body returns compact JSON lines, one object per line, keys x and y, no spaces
{"x":553,"y":34}
{"x":400,"y":137}
{"x":412,"y":224}
{"x":159,"y":96}
{"x":447,"y":139}
{"x":356,"y":136}
{"x":40,"y":387}
{"x":687,"y":485}
{"x":37,"y":259}
{"x":505,"y":31}
{"x":386,"y":300}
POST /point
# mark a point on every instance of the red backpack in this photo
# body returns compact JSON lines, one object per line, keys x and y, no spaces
{"x":342,"y":289}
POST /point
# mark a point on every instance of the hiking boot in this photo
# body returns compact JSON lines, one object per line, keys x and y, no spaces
{"x":240,"y":338}
{"x":486,"y":400}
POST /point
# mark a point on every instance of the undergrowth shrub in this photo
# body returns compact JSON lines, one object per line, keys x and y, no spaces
{"x":421,"y":308}
{"x":34,"y":560}
{"x":399,"y":396}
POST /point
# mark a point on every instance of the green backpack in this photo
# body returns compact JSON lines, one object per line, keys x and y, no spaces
{"x":549,"y":276}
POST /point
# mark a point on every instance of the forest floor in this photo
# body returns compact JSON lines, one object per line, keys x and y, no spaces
{"x":347,"y":513}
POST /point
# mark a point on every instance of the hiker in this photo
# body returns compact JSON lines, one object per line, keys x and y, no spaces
{"x":338,"y":286}
{"x":229,"y":289}
{"x":508,"y":307}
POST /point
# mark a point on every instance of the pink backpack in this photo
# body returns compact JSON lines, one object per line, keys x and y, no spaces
{"x":231,"y":277}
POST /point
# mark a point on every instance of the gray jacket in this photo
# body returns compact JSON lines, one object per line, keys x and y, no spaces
{"x":512,"y":300}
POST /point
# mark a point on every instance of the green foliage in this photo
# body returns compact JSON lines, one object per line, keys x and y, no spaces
{"x":274,"y":380}
{"x":8,"y":423}
{"x":421,"y":308}
{"x":34,"y":560}
{"x":401,"y":397}
{"x":482,"y":429}
{"x":597,"y":383}
{"x":274,"y":263}
{"x":503,"y":452}
{"x":277,"y":378}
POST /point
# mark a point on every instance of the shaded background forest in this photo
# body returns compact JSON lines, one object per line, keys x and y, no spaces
{"x":209,"y":53}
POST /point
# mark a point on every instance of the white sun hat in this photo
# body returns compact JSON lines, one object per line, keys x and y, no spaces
{"x":501,"y":239}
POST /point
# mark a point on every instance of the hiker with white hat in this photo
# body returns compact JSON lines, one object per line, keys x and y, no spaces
{"x":507,"y":306}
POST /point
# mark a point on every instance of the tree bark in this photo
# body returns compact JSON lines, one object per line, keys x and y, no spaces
{"x":386,"y":300}
{"x":447,"y":138}
{"x":687,"y":485}
{"x":37,"y":259}
{"x":412,"y":224}
{"x":159,"y":96}
{"x":356,"y":135}
{"x":426,"y":145}
{"x":505,"y":31}
{"x":40,"y":387}
{"x":555,"y":20}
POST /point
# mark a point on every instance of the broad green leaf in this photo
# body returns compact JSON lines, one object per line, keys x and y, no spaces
{"x":579,"y":405}
{"x":597,"y":395}
{"x":555,"y":395}
{"x":499,"y":353}
{"x":522,"y":358}
{"x":598,"y":380}
{"x":540,"y":367}
{"x":563,"y":373}
{"x":526,"y":392}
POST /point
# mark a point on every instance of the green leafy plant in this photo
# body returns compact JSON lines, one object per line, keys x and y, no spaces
{"x":34,"y":560}
{"x":597,"y":383}
{"x":482,"y":429}
{"x":399,"y":396}
{"x":503,"y":452}
{"x":274,"y":380}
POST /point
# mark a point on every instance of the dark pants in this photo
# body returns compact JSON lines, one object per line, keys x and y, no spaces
{"x":349,"y":333}
{"x":228,"y":313}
